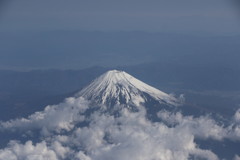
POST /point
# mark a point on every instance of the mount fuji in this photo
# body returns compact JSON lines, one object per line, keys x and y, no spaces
{"x":119,"y":88}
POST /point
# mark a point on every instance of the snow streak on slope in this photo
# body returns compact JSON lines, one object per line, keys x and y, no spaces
{"x":118,"y":87}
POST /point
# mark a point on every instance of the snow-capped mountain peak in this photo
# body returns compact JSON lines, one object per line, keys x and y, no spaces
{"x":118,"y":87}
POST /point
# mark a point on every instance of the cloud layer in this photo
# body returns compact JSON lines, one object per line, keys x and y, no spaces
{"x":76,"y":130}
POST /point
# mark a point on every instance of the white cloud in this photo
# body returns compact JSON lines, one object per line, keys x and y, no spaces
{"x":129,"y":135}
{"x":237,"y":116}
{"x":236,"y":157}
{"x":203,"y":127}
{"x":53,"y":118}
{"x":60,"y":150}
{"x":132,"y":136}
{"x":82,"y":156}
{"x":27,"y":151}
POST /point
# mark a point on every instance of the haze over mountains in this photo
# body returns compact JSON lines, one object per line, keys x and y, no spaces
{"x":74,"y":49}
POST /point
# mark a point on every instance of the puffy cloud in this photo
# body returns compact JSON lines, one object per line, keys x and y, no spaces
{"x":53,"y":118}
{"x":234,"y":132}
{"x":82,"y":156}
{"x":132,"y":136}
{"x":67,"y":133}
{"x":237,"y":116}
{"x":236,"y":157}
{"x":27,"y":151}
{"x":60,"y":150}
{"x":203,"y":127}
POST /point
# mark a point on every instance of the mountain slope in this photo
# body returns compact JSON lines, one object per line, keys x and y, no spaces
{"x":119,"y":88}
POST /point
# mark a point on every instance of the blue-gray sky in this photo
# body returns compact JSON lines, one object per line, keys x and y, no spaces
{"x":80,"y":33}
{"x":215,"y":16}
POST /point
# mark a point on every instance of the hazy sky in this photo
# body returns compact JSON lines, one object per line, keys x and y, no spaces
{"x":216,"y":16}
{"x":81,"y":33}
